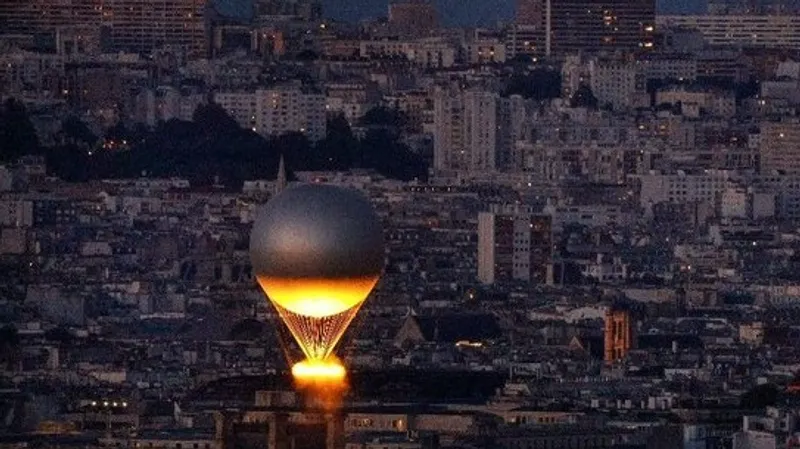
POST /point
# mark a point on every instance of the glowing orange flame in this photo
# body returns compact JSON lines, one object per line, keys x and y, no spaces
{"x":317,"y":298}
{"x":319,"y":370}
{"x":324,"y":382}
{"x":317,"y":311}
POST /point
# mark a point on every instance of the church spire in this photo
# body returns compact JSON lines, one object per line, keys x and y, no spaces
{"x":280,"y":181}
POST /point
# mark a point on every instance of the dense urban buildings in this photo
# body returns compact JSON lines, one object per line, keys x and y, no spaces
{"x":277,"y":111}
{"x":514,"y":245}
{"x":590,"y":220}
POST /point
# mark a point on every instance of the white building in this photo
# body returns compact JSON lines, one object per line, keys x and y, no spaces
{"x":276,"y":111}
{"x":432,"y":53}
{"x":590,"y":215}
{"x":770,"y":31}
{"x":166,"y":103}
{"x":429,"y":53}
{"x":619,"y":83}
{"x":242,"y":106}
{"x":682,"y":187}
{"x":476,"y":130}
{"x":697,"y":102}
{"x":733,"y":203}
{"x":465,"y":130}
{"x":668,"y":66}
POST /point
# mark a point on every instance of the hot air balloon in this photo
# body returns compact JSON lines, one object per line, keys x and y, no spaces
{"x":317,"y":253}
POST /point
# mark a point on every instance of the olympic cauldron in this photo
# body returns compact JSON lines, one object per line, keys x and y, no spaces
{"x":317,"y":252}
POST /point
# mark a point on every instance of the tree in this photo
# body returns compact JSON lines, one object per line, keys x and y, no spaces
{"x":340,"y":149}
{"x":383,"y":152}
{"x":539,"y":84}
{"x":59,"y":335}
{"x":212,"y":118}
{"x":386,"y":117}
{"x":9,"y":344}
{"x":17,"y":133}
{"x":307,"y":55}
{"x":76,"y":132}
{"x":70,"y":162}
{"x":296,"y":150}
{"x":760,"y":397}
{"x":583,"y":98}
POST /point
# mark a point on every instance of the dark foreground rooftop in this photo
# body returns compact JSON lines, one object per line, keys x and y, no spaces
{"x":403,"y":386}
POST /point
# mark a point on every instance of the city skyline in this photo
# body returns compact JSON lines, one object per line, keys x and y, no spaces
{"x":576,"y":230}
{"x":452,"y":12}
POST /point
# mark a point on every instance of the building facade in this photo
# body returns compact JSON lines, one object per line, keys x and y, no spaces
{"x":571,"y":26}
{"x":514,"y":247}
{"x":773,"y":31}
{"x":138,"y":26}
{"x":617,"y":335}
{"x":780,"y":147}
{"x":281,"y":110}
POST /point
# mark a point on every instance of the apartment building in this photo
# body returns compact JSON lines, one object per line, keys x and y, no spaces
{"x":276,"y":111}
{"x":514,"y":247}
{"x":769,"y":31}
{"x":128,"y":25}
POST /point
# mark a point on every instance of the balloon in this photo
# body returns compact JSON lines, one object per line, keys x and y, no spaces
{"x":317,"y":253}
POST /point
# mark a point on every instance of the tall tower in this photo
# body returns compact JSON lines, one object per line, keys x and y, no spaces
{"x":587,"y":25}
{"x":465,"y":130}
{"x":564,"y":27}
{"x":617,"y":335}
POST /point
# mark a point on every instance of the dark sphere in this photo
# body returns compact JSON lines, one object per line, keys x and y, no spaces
{"x":317,"y":231}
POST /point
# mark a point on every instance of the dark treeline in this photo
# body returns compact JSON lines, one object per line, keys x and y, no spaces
{"x":212,"y":147}
{"x":538,"y":84}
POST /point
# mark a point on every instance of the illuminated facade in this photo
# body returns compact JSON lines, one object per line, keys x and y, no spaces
{"x":618,"y":335}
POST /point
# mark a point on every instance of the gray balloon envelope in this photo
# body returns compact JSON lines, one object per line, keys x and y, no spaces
{"x":317,"y":231}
